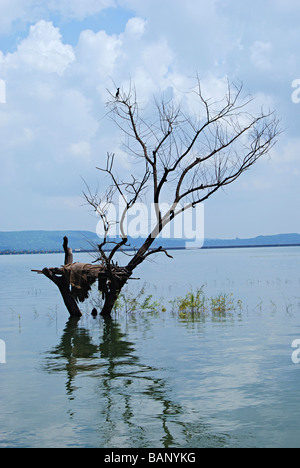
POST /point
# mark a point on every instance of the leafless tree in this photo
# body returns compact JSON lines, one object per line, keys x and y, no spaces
{"x":179,"y":155}
{"x":189,"y":157}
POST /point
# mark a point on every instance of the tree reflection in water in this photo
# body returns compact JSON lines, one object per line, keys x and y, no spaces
{"x":131,"y":403}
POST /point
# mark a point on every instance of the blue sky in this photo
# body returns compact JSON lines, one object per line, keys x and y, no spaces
{"x":57,"y":59}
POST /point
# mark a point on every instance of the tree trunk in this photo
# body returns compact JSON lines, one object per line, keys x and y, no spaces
{"x":64,"y":289}
{"x":115,"y":285}
{"x":139,"y":256}
{"x":110,"y":300}
{"x":111,"y":295}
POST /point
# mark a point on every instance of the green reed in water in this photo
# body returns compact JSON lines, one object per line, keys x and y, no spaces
{"x":198,"y":303}
{"x":192,"y":303}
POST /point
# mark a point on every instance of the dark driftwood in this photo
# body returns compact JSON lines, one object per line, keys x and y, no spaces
{"x":68,"y":252}
{"x":75,"y":280}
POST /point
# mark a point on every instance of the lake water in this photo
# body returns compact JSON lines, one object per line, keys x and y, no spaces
{"x":159,"y":379}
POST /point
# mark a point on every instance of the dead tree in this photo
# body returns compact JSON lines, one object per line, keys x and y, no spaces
{"x":75,"y":280}
{"x":180,"y":155}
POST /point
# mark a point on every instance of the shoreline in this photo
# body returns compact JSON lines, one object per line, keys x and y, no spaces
{"x":207,"y":247}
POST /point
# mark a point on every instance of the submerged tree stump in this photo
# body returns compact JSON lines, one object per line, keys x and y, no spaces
{"x":75,"y":280}
{"x":64,"y":289}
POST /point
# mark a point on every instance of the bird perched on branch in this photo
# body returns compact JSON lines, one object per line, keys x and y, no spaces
{"x":118,"y":93}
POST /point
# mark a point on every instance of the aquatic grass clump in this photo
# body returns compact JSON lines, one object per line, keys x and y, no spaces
{"x":225,"y":303}
{"x":196,"y":304}
{"x":131,"y":303}
{"x":191,"y":302}
{"x":192,"y":305}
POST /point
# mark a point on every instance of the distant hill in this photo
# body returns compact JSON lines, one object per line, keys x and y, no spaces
{"x":276,"y":240}
{"x":45,"y":240}
{"x":51,"y":241}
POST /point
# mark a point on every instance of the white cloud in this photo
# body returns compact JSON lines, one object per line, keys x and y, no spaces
{"x":98,"y":63}
{"x":151,"y":69}
{"x":135,"y":27}
{"x":286,"y":5}
{"x":47,"y":126}
{"x":108,"y":61}
{"x":81,"y":150}
{"x":12,"y":10}
{"x":97,"y":53}
{"x":28,"y":11}
{"x":53,"y":120}
{"x":287,"y":155}
{"x":194,"y":29}
{"x":261,"y":54}
{"x":79,"y":9}
{"x":42,"y":50}
{"x":157,"y":58}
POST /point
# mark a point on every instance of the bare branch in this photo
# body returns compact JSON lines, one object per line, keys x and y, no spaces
{"x":186,"y":156}
{"x":158,"y":250}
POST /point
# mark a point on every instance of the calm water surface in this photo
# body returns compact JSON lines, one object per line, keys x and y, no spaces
{"x":160,"y":379}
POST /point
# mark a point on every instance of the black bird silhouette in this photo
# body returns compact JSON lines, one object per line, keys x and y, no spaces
{"x":118,"y":93}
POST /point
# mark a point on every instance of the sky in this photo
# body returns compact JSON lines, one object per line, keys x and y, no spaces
{"x":58,"y":58}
